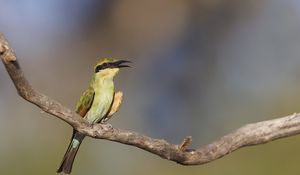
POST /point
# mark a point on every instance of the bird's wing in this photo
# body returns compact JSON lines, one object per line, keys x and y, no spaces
{"x":116,"y":103}
{"x":85,"y":102}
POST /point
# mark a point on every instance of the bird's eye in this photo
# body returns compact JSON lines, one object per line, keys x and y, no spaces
{"x":106,"y":65}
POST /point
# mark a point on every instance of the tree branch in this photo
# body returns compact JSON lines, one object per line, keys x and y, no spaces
{"x":250,"y":134}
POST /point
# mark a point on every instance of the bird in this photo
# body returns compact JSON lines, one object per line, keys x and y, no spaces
{"x":97,"y":104}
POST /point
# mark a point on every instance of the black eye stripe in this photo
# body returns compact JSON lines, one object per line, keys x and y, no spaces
{"x":98,"y":68}
{"x":103,"y":66}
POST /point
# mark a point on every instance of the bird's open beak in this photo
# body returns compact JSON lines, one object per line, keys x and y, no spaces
{"x":121,"y":63}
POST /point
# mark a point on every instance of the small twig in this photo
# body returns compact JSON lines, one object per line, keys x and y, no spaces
{"x":250,"y":134}
{"x":185,"y":143}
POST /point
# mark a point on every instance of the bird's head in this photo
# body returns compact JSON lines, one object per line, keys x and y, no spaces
{"x":109,"y":67}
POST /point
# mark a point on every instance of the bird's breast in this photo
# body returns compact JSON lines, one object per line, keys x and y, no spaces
{"x":102,"y":101}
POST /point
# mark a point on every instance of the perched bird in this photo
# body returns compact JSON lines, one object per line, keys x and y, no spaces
{"x":97,"y":104}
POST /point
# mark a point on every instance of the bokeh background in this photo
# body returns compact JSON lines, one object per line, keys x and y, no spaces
{"x":201,"y":68}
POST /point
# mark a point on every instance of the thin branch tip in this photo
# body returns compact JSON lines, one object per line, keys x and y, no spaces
{"x":2,"y":49}
{"x":6,"y":52}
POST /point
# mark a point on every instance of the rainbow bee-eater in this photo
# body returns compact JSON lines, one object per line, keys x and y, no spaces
{"x":97,"y":104}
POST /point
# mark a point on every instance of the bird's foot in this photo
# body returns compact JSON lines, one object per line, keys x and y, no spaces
{"x":104,"y":120}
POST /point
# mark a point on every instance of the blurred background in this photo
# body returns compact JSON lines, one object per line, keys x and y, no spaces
{"x":201,"y":68}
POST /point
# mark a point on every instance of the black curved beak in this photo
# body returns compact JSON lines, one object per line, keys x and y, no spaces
{"x":121,"y":63}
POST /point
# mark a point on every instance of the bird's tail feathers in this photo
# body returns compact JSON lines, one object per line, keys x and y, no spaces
{"x":69,"y":157}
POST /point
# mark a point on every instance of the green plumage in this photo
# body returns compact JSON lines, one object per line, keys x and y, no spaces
{"x":85,"y":101}
{"x":104,"y":91}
